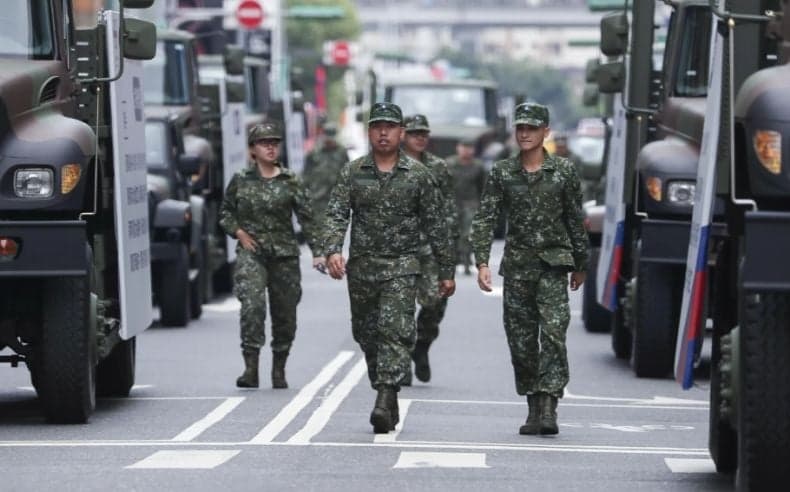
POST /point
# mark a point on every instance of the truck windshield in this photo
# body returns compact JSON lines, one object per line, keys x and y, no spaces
{"x":156,"y":151}
{"x":692,"y":69}
{"x":26,"y":29}
{"x":443,"y":105}
{"x":166,"y":76}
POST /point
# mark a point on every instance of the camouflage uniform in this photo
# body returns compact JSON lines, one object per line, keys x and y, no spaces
{"x":322,"y":168}
{"x":392,"y":213}
{"x":263,"y":207}
{"x":545,"y":240}
{"x":469,"y":181}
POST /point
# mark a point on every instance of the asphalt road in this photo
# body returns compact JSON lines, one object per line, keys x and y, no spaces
{"x":187,"y":427}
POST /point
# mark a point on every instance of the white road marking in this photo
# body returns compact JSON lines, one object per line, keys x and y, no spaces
{"x":187,"y":459}
{"x":686,"y":465}
{"x":568,"y":405}
{"x":403,"y":408}
{"x":301,"y":400}
{"x":656,"y":400}
{"x":229,"y":305}
{"x":409,"y":459}
{"x":324,"y":412}
{"x":216,"y":415}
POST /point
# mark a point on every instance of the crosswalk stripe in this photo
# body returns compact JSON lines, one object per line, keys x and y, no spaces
{"x":185,"y":460}
{"x":410,"y":459}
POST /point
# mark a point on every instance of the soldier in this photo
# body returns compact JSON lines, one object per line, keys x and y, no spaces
{"x":396,"y":207}
{"x":545,"y":240}
{"x":257,"y":211}
{"x":469,"y":178}
{"x":322,"y":168}
{"x":432,"y":305}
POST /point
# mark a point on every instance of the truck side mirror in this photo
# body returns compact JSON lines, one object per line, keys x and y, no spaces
{"x":188,"y":164}
{"x":590,"y":69}
{"x":614,"y":34}
{"x":140,"y":39}
{"x":236,"y":92}
{"x":590,"y":95}
{"x":359,"y":98}
{"x":611,"y":77}
{"x":234,"y":60}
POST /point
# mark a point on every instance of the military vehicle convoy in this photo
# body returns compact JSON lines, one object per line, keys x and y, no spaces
{"x":73,"y":213}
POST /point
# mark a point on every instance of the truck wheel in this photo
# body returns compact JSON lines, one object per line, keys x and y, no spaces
{"x":66,"y":359}
{"x":174,"y":290}
{"x":115,"y":374}
{"x":621,"y":336}
{"x":597,"y":319}
{"x":656,"y":315}
{"x":223,"y":279}
{"x":763,"y":393}
{"x":196,"y":286}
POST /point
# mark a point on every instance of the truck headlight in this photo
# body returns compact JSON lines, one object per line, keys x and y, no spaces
{"x":768,"y":147}
{"x":681,"y":192}
{"x":33,"y":182}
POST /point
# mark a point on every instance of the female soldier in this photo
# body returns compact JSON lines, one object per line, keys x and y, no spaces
{"x":257,"y":211}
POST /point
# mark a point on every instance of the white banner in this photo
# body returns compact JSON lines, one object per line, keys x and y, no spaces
{"x":612,"y":238}
{"x":131,"y":193}
{"x":234,"y":149}
{"x":692,"y":314}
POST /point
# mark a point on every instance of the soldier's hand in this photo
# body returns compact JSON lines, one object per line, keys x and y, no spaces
{"x":577,"y":279}
{"x":336,"y":265}
{"x":320,"y":264}
{"x":446,"y":288}
{"x":484,"y":278}
{"x":247,"y":242}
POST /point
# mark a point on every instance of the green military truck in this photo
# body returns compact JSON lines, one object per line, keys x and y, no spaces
{"x":651,"y":182}
{"x":73,"y":212}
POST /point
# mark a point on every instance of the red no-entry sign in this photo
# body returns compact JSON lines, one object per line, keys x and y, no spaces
{"x":249,"y":13}
{"x":341,"y":53}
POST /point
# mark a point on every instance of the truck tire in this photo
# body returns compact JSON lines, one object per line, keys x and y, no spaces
{"x":764,"y":395}
{"x":597,"y":319}
{"x":174,"y":290}
{"x":196,"y":286}
{"x":66,"y":358}
{"x":621,"y":336}
{"x":656,"y":315}
{"x":115,"y":374}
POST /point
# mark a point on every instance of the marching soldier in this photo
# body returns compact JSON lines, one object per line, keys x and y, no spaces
{"x":256,"y":210}
{"x":322,"y":168}
{"x":545,"y":241}
{"x":396,"y":207}
{"x":469,"y":178}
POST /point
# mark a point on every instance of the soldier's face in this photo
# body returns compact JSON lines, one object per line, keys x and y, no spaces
{"x":266,"y":151}
{"x":465,"y":152}
{"x":416,"y":142}
{"x":384,"y":136}
{"x":530,"y":137}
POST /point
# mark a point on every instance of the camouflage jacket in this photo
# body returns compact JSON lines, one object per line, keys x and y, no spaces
{"x":263,"y":208}
{"x":321,"y":171}
{"x":444,"y":181}
{"x":545,"y":219}
{"x":391,"y":211}
{"x":469,"y":181}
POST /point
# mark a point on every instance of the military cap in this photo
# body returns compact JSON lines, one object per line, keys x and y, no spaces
{"x":469,"y":142}
{"x":265,"y":131}
{"x":533,"y":114}
{"x":417,"y":123}
{"x":385,"y":111}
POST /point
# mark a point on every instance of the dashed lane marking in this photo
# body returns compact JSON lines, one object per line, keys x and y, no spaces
{"x":301,"y":400}
{"x":408,"y":459}
{"x":187,"y":459}
{"x":686,"y":465}
{"x":216,"y":415}
{"x":570,"y":405}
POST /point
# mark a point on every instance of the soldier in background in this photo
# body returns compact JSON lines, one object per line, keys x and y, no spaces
{"x":322,"y":168}
{"x":432,"y":305}
{"x":545,"y":241}
{"x":257,"y":210}
{"x":396,"y":208}
{"x":469,"y":178}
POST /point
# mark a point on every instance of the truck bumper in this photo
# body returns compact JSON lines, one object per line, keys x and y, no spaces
{"x":46,"y":249}
{"x":767,"y":241}
{"x":665,"y":241}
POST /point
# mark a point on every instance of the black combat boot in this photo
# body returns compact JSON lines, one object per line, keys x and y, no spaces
{"x":249,"y":379}
{"x":394,"y":410}
{"x":548,"y":414}
{"x":278,"y":370}
{"x":381,"y":416}
{"x":422,"y":369}
{"x":532,"y":425}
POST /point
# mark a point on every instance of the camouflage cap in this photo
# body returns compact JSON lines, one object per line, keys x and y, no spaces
{"x":532,"y":114}
{"x":265,"y":131}
{"x":417,"y":123}
{"x":385,"y":111}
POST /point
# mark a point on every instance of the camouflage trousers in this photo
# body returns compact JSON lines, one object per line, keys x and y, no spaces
{"x":253,"y":276}
{"x":432,"y":305}
{"x":382,"y":323}
{"x":463,"y":245}
{"x":536,"y":316}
